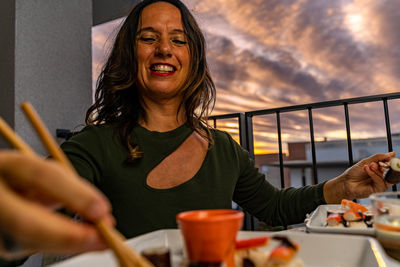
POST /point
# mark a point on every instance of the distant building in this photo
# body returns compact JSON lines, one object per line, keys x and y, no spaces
{"x":331,"y":157}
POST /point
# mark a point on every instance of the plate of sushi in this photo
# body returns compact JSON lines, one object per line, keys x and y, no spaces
{"x":347,"y":218}
{"x":253,"y":248}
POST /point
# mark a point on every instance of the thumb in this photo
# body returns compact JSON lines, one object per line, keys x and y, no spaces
{"x":380,"y":157}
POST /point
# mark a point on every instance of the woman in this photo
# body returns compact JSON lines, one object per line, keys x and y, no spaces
{"x":27,"y":195}
{"x":148,"y":146}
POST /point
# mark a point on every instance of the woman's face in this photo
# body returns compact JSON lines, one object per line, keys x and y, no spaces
{"x":162,"y":51}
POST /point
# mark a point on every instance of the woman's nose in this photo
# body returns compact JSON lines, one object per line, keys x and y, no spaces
{"x":164,"y":48}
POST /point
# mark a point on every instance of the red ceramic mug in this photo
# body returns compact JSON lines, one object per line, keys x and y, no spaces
{"x":210,"y":234}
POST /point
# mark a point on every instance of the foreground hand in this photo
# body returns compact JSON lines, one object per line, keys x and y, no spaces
{"x":358,"y":181}
{"x":29,"y":188}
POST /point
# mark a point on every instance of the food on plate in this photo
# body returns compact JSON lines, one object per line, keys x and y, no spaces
{"x":392,"y":172}
{"x":351,"y":214}
{"x":252,"y":242}
{"x":334,"y":219}
{"x":351,"y":205}
{"x":158,"y":256}
{"x":335,"y":211}
{"x":277,"y":251}
{"x":368,"y":218}
{"x":205,"y":264}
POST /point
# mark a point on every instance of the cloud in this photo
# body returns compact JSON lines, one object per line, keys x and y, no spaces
{"x":275,"y":53}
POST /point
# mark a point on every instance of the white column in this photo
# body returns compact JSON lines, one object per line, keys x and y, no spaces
{"x":46,"y":61}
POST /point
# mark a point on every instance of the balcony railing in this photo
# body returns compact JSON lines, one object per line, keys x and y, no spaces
{"x":246,"y":137}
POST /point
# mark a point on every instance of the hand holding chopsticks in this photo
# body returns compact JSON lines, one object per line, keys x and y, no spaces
{"x":29,"y":190}
{"x":126,"y":256}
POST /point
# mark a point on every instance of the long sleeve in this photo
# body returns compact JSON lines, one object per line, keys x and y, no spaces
{"x":274,"y":206}
{"x":85,"y":153}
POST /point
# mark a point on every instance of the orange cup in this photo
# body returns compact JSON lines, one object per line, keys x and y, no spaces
{"x":210,"y":234}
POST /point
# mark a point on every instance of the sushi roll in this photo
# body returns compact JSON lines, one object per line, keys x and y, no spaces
{"x":251,"y":243}
{"x":204,"y":264}
{"x":249,"y":252}
{"x":250,"y":257}
{"x":334,"y":219}
{"x":335,"y":211}
{"x":280,"y":252}
{"x":351,"y":205}
{"x":285,"y":254}
{"x":368,"y":218}
{"x":392,"y":174}
{"x":352,"y":216}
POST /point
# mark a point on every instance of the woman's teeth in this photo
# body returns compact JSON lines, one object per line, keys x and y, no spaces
{"x":162,"y":68}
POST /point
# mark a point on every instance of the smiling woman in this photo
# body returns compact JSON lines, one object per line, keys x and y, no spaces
{"x":151,"y":57}
{"x":148,"y":147}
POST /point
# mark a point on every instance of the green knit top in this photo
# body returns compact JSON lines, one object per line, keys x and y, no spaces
{"x":227,"y":174}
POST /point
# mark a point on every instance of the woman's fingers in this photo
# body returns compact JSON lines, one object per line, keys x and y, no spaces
{"x":54,"y":181}
{"x":379,"y":157}
{"x":373,"y":166}
{"x":378,"y":182}
{"x":32,"y":226}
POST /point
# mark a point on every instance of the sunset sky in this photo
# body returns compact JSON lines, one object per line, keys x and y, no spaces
{"x":274,"y":53}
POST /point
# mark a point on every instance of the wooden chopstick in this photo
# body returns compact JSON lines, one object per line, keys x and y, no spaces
{"x":44,"y":135}
{"x":127,"y":257}
{"x":14,"y":139}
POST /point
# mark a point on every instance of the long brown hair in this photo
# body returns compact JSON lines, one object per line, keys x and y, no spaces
{"x":117,"y":97}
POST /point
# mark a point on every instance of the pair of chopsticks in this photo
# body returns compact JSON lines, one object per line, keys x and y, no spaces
{"x":126,"y":256}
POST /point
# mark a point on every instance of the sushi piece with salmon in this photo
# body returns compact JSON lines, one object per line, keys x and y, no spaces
{"x":352,"y":216}
{"x":351,"y":205}
{"x":251,"y":243}
{"x":334,"y":219}
{"x":248,"y":252}
{"x":280,"y":252}
{"x":335,"y":211}
{"x":285,"y":254}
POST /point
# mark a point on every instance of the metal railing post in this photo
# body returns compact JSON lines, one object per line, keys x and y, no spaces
{"x":242,"y":130}
{"x":246,"y":141}
{"x":250,"y":148}
{"x":313,"y":155}
{"x":348,"y":134}
{"x":279,"y":130}
{"x":388,"y":131}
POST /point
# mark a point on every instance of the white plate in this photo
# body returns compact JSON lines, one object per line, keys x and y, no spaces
{"x":316,"y":223}
{"x":315,"y":250}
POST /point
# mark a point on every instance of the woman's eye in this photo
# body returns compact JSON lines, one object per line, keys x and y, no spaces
{"x":147,"y":39}
{"x":179,"y":42}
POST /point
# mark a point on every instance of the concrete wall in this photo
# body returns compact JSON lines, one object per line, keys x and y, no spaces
{"x":46,"y":61}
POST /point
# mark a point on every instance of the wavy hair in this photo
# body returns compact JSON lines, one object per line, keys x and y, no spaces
{"x":117,"y":98}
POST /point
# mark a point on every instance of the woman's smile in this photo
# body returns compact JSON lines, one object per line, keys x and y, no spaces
{"x":162,"y":69}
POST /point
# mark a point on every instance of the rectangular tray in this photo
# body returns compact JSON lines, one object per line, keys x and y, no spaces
{"x":315,"y":249}
{"x":316,"y":224}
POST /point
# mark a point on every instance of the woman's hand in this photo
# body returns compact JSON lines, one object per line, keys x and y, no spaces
{"x":358,"y":181}
{"x":30,"y":188}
